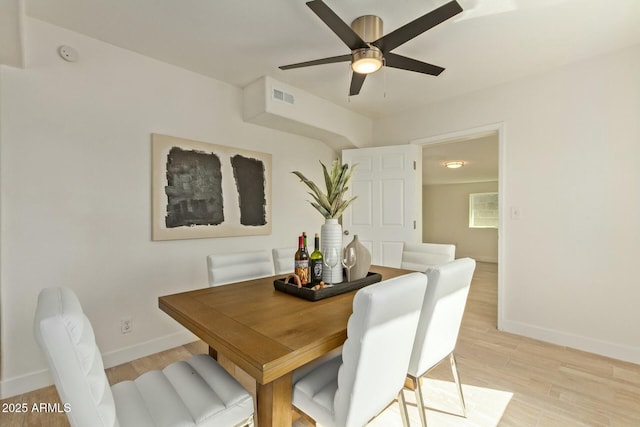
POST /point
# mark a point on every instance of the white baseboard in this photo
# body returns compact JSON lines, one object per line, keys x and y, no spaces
{"x":127,"y":354}
{"x":478,"y":258}
{"x":24,"y":383}
{"x":38,"y":379}
{"x":579,"y":342}
{"x":486,"y":259}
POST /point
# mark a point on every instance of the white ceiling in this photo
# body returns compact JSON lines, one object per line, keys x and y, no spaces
{"x":480,"y":157}
{"x":238,"y":41}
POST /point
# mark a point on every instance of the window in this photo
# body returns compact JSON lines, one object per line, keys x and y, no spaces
{"x":483,"y":210}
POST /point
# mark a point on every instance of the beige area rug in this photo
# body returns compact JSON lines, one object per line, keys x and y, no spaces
{"x":484,"y":407}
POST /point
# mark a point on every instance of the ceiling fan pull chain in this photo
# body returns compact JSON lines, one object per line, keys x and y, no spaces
{"x":349,"y":77}
{"x":384,"y":77}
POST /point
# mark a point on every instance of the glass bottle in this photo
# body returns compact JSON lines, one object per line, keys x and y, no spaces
{"x":315,"y":261}
{"x":301,"y":262}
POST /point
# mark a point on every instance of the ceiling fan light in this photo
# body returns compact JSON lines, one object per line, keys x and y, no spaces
{"x":454,"y":165}
{"x":367,"y":60}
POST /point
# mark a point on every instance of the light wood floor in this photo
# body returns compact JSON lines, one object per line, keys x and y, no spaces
{"x":551,"y":385}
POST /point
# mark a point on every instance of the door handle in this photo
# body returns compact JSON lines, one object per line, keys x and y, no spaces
{"x":346,"y":232}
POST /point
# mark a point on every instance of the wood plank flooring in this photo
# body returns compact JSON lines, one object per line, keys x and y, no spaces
{"x":548,"y":385}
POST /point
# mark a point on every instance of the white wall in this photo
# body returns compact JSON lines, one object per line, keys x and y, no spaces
{"x":11,"y":13}
{"x":308,"y":115}
{"x":76,"y":191}
{"x":571,"y":151}
{"x":445,"y":219}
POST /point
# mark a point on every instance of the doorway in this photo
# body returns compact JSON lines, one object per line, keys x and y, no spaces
{"x":446,"y":194}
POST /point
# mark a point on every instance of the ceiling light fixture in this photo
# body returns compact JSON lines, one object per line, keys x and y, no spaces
{"x":454,"y":165}
{"x":370,"y":59}
{"x":366,"y":60}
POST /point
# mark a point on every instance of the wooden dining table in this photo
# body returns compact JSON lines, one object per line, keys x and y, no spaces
{"x":265,"y":332}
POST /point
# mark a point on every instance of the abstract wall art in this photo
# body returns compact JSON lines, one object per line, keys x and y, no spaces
{"x":204,"y":190}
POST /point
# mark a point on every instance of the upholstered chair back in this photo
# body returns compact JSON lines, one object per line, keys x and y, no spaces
{"x":283,"y":259}
{"x":442,"y":312}
{"x":420,"y":256}
{"x":239,"y":266}
{"x":375,"y":355}
{"x":66,"y":338}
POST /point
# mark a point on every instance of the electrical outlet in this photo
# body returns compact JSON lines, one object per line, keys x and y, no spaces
{"x":126,"y":325}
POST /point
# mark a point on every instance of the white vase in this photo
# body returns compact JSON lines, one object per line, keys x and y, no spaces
{"x":331,"y":237}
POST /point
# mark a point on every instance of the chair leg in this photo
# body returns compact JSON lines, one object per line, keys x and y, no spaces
{"x":246,"y":423}
{"x":303,"y":415}
{"x":456,"y":377}
{"x":404,"y":413}
{"x":417,"y":387}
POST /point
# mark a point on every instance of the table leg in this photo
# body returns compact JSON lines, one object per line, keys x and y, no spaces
{"x":213,"y":353}
{"x":274,"y":402}
{"x":227,"y":364}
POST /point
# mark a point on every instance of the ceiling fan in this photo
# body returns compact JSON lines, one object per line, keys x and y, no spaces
{"x":370,"y":50}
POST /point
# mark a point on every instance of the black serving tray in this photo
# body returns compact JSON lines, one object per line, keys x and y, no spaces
{"x":336,"y":289}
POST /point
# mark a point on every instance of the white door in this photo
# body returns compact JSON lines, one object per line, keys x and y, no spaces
{"x":388,"y":183}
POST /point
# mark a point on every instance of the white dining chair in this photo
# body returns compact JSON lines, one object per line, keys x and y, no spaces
{"x":351,"y":389}
{"x":439,"y":324}
{"x":420,"y":256}
{"x":238,"y":266}
{"x":283,"y":259}
{"x":197,"y":392}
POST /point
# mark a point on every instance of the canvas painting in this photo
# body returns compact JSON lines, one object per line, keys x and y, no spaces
{"x":206,"y":190}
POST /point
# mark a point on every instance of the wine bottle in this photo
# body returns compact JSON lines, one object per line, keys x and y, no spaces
{"x":315,"y":261}
{"x":301,"y":262}
{"x":304,"y":239}
{"x":306,"y":254}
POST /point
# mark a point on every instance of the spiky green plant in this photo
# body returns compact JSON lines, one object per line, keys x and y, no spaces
{"x":330,"y":203}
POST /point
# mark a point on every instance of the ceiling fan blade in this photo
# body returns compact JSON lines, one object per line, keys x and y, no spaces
{"x":337,"y":25}
{"x":405,"y":63}
{"x":417,"y":26}
{"x":331,"y":60}
{"x":356,"y":83}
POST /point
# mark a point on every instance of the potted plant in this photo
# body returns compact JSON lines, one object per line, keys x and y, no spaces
{"x":331,"y":204}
